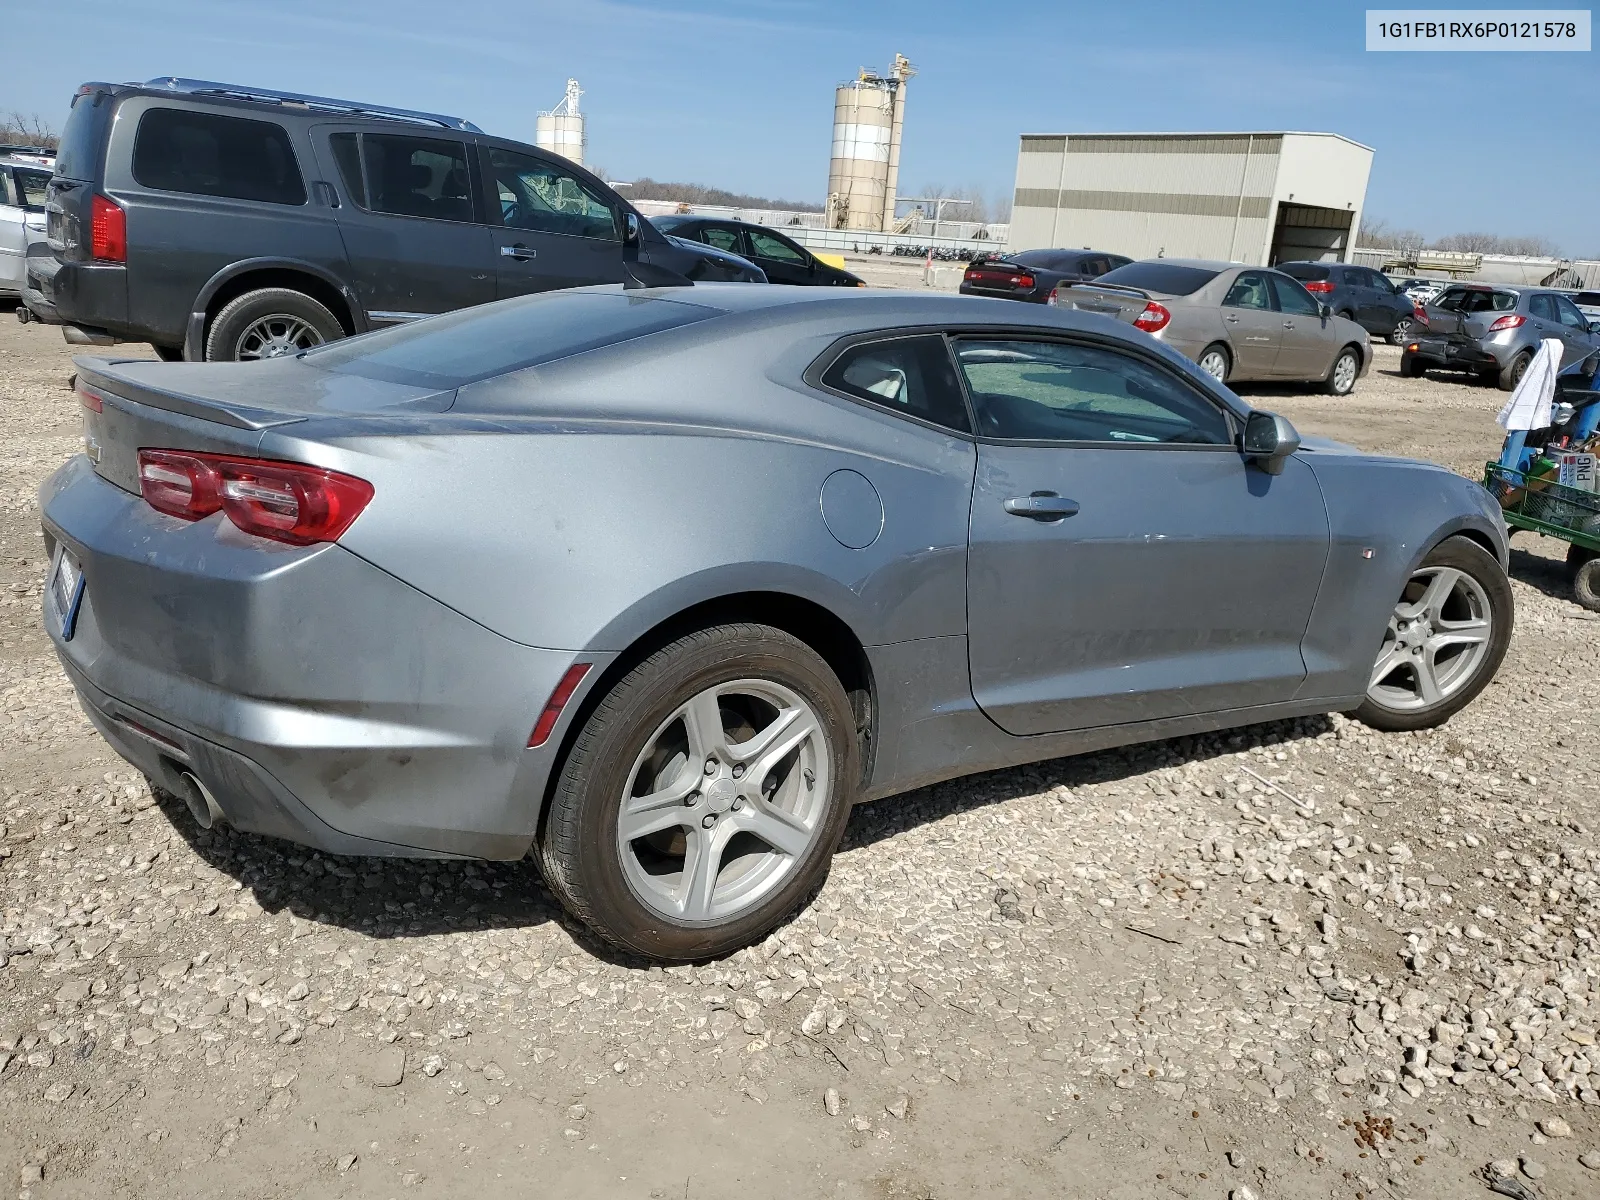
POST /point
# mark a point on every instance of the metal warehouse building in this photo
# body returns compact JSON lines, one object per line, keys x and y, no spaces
{"x":1259,"y":198}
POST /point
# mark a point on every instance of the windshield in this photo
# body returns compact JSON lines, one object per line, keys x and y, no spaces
{"x":1050,"y":260}
{"x":463,"y":347}
{"x":1161,"y":277}
{"x":1475,"y":300}
{"x":1304,"y":271}
{"x":670,"y":222}
{"x":78,"y":156}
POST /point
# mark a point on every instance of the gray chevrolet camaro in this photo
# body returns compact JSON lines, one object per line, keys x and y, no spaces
{"x":659,"y":582}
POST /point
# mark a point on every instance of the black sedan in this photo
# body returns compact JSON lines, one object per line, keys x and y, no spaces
{"x":784,"y":260}
{"x":1033,"y":274}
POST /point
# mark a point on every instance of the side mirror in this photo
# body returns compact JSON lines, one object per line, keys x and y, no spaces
{"x":1269,"y":440}
{"x":630,"y":234}
{"x":1594,"y":326}
{"x":1324,"y":311}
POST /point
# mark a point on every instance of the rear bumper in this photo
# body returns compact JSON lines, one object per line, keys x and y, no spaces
{"x":1033,"y":297}
{"x":318,"y":698}
{"x":90,"y":296}
{"x":1461,"y":353}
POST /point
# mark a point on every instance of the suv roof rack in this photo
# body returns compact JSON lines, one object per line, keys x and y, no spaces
{"x":202,"y":87}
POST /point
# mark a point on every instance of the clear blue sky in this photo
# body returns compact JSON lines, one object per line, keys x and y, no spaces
{"x":739,"y":94}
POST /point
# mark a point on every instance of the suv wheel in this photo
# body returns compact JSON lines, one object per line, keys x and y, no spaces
{"x":269,"y":323}
{"x":1401,"y":333}
{"x":704,"y":796}
{"x":1445,"y":640}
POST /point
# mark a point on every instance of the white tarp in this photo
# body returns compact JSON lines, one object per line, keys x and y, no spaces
{"x":1529,"y":406}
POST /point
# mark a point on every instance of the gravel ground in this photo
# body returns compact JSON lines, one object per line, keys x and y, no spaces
{"x":1301,"y":959}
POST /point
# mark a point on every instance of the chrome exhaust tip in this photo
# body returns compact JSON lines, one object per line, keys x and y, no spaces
{"x":202,"y":805}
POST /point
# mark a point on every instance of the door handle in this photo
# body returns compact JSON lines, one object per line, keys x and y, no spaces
{"x":1231,"y":320}
{"x":1288,"y":324}
{"x":519,"y":252}
{"x":1042,"y":506}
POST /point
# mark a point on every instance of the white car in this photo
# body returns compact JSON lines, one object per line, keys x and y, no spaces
{"x":1421,"y":291}
{"x":24,"y":174}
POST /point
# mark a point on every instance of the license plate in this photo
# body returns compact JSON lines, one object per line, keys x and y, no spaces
{"x":66,"y":592}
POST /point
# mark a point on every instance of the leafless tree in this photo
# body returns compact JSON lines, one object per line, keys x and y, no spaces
{"x":1377,"y":234}
{"x":28,"y":130}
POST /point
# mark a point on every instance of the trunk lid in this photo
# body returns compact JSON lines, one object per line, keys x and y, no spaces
{"x":1467,"y":313}
{"x":1000,"y":276}
{"x":223,"y":408}
{"x":1108,"y":299}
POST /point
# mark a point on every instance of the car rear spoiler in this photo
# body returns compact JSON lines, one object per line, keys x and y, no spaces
{"x":1120,"y":288}
{"x":102,"y":375}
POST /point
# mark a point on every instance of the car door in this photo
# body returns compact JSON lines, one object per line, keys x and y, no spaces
{"x":1580,"y":340}
{"x":413,"y":231}
{"x":781,"y":259}
{"x":1309,"y":340}
{"x":1542,"y":315}
{"x":13,"y":234}
{"x":1125,"y":563}
{"x":551,"y":228}
{"x":1254,"y":329}
{"x":1391,"y":306}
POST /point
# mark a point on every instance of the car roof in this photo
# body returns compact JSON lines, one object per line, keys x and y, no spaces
{"x":286,"y":103}
{"x":1203,"y":264}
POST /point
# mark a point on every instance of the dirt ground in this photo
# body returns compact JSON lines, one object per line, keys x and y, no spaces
{"x":1297,"y":960}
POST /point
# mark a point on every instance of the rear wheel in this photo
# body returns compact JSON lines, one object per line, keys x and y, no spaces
{"x":1214,"y":362}
{"x":1401,"y":332}
{"x":1511,"y":374}
{"x":1341,"y":380}
{"x":168,"y":353}
{"x":704,"y":796}
{"x":1446,"y":638}
{"x":270,"y":323}
{"x":1586,"y":584}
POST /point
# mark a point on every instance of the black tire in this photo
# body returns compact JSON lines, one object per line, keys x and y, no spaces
{"x":227,"y":340}
{"x":1401,"y":333}
{"x":1227,"y":360}
{"x":1576,"y":554}
{"x":1467,"y":556}
{"x":1511,"y":374}
{"x":1412,"y":367}
{"x":578,"y":849}
{"x":1586,"y":584}
{"x":168,"y":353}
{"x":1330,"y":385}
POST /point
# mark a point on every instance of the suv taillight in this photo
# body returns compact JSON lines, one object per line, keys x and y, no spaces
{"x":1153,"y":318}
{"x":1320,"y":286}
{"x":284,"y":501}
{"x":1509,"y":321}
{"x":108,"y":231}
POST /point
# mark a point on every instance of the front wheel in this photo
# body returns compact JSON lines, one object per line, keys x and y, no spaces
{"x":1446,"y":638}
{"x":704,"y":796}
{"x":1341,"y":380}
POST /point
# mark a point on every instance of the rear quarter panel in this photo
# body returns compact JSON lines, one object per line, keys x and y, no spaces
{"x":1398,"y":510}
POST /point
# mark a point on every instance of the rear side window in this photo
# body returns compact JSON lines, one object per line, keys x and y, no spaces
{"x":347,"y":154}
{"x":417,"y":177}
{"x":912,"y":375}
{"x":470,"y":344}
{"x":1161,"y":277}
{"x":31,"y":187}
{"x":1475,"y":300}
{"x":78,"y":155}
{"x":204,"y":154}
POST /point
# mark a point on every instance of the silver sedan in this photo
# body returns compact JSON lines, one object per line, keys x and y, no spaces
{"x":654,"y":584}
{"x":1240,"y":324}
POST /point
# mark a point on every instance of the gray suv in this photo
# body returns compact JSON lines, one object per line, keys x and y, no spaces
{"x":1494,"y":331}
{"x":1358,"y":294}
{"x":221,"y":222}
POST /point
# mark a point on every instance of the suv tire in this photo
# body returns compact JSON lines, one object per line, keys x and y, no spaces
{"x":719,"y":795}
{"x":269,"y":323}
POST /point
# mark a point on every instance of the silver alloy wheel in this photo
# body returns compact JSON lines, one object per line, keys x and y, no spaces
{"x":1215,"y":364}
{"x":275,"y":336}
{"x":724,"y":801}
{"x":1344,"y":373}
{"x":1438,"y":635}
{"x":1402,"y":331}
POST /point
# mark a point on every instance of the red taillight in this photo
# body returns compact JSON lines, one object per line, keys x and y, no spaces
{"x":1320,"y":286}
{"x":1419,"y":315}
{"x":1153,"y":318}
{"x":1509,"y":321}
{"x":1025,"y":281}
{"x":287,"y":502}
{"x":1055,"y":295}
{"x":108,"y":231}
{"x":90,"y":398}
{"x":558,"y":701}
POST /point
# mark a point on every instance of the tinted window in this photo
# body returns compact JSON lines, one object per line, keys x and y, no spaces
{"x":1161,"y":277}
{"x":417,"y":177}
{"x":1248,"y":291}
{"x":1050,"y":260}
{"x":722,"y":239}
{"x":1293,"y":298}
{"x":766,"y":245}
{"x":1589,"y":298}
{"x":1305,"y":271}
{"x":478,"y":343}
{"x":204,"y":154}
{"x":537,"y":195}
{"x":347,"y":154}
{"x":1055,"y":391}
{"x":78,"y":155}
{"x":1569,"y":314}
{"x":1543,"y":307}
{"x":1475,"y":300}
{"x":912,"y":375}
{"x":670,"y":223}
{"x":31,"y":187}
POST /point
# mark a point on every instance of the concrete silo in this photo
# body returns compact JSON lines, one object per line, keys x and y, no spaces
{"x":561,"y":129}
{"x":869,"y":113}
